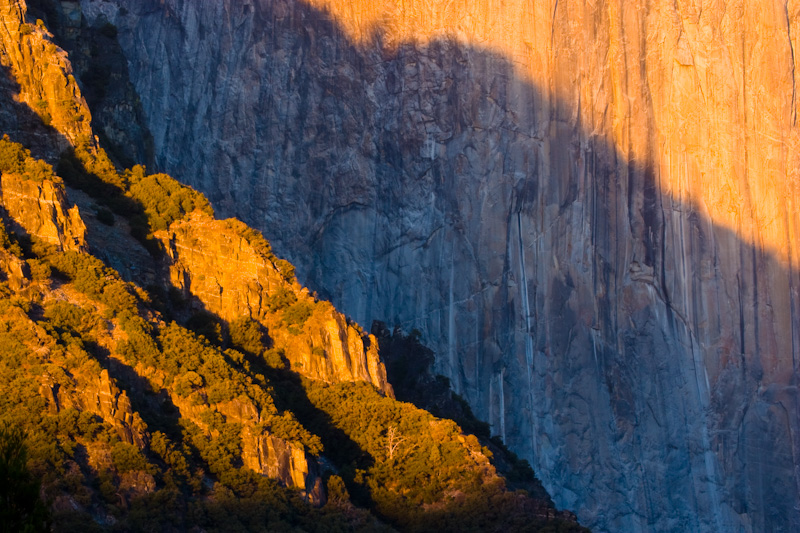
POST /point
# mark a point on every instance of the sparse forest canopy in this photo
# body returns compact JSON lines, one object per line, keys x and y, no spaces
{"x":124,"y":414}
{"x":388,"y":462}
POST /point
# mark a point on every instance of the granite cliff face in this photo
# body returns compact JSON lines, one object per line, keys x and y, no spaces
{"x":38,"y":94}
{"x":40,"y":209}
{"x":152,"y":396}
{"x":44,"y":108}
{"x":235,"y":275}
{"x":589,"y":210}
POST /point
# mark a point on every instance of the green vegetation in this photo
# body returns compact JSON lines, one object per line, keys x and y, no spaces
{"x":164,"y":199}
{"x":9,"y":242}
{"x":177,"y":461}
{"x":295,"y":316}
{"x":16,"y":159}
{"x":150,"y":203}
{"x":140,"y":412}
{"x":414,"y":471}
{"x":248,"y":336}
{"x":20,"y":507}
{"x":181,"y":455}
{"x":254,"y":237}
{"x":282,"y":298}
{"x":286,"y":269}
{"x":409,"y":366}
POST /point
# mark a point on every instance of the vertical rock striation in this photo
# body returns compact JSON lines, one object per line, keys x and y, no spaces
{"x":589,"y":210}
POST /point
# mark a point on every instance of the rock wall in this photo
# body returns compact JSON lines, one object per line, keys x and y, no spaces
{"x":103,"y":397}
{"x":40,"y":96}
{"x":230,"y":270}
{"x":40,"y":209}
{"x":261,"y":451}
{"x":280,"y":459}
{"x":589,"y":210}
{"x":94,"y":393}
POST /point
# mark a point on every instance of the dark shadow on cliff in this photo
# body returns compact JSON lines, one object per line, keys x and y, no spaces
{"x":629,"y":247}
{"x":409,"y":368}
{"x":625,"y":202}
{"x":23,"y":125}
{"x":288,"y":389}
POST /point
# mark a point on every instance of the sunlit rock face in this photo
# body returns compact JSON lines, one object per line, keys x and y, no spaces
{"x":37,"y":87}
{"x":588,"y":209}
{"x":40,"y":209}
{"x":232,"y":276}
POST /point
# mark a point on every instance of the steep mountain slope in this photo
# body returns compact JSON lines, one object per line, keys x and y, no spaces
{"x":197,"y":386}
{"x":588,"y":209}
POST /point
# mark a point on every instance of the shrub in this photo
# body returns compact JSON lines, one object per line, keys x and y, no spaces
{"x":20,"y":506}
{"x":337,"y":491}
{"x":248,"y":336}
{"x":297,"y":314}
{"x":275,"y":358}
{"x":208,"y":325}
{"x":16,"y":159}
{"x":286,"y":269}
{"x":281,"y":298}
{"x":165,"y":200}
{"x":40,"y":271}
{"x":127,"y":458}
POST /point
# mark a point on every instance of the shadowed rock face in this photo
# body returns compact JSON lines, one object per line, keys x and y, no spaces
{"x":587,"y":209}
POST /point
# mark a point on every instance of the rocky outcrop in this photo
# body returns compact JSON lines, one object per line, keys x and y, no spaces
{"x":41,"y":91}
{"x":282,"y":460}
{"x":40,"y":209}
{"x":231,"y":271}
{"x":262,"y":452}
{"x":14,"y":271}
{"x":100,"y":66}
{"x":587,"y":209}
{"x":332,"y":349}
{"x":64,"y":388}
{"x":105,"y":399}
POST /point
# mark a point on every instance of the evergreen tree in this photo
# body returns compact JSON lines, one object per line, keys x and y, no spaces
{"x":21,"y":509}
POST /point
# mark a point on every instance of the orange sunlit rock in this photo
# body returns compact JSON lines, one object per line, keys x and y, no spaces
{"x":706,"y":96}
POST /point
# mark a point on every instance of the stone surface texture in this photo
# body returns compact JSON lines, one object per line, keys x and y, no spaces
{"x":40,"y":209}
{"x":262,"y":452}
{"x":40,"y":95}
{"x":233,"y":274}
{"x":43,"y":108}
{"x":587,"y":208}
{"x":280,"y":459}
